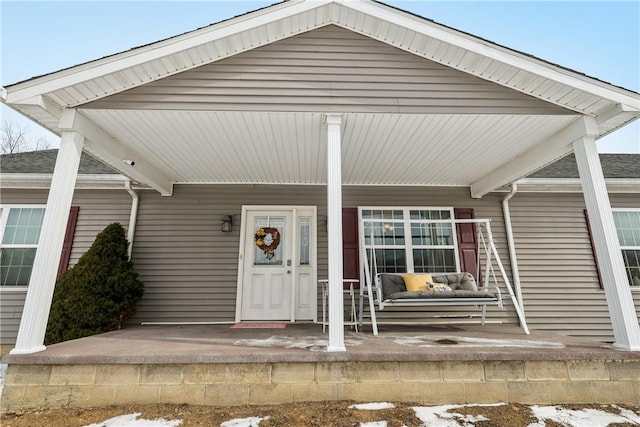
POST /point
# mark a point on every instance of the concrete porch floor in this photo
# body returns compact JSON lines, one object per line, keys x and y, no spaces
{"x":306,"y":343}
{"x":219,"y":366}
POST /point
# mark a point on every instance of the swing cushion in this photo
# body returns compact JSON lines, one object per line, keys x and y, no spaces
{"x":462,"y":285}
{"x":457,"y":281}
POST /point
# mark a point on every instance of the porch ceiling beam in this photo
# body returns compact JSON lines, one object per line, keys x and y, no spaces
{"x":105,"y":147}
{"x":557,"y":146}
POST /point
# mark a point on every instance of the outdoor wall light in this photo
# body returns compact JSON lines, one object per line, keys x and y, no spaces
{"x":227,"y":220}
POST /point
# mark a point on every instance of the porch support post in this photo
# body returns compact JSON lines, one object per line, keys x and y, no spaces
{"x":334,"y":224}
{"x":37,"y":305}
{"x":624,"y":318}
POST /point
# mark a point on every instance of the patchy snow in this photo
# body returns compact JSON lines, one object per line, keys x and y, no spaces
{"x":244,"y":422}
{"x":374,"y":424}
{"x":3,"y":375}
{"x":430,"y":341}
{"x":131,"y":420}
{"x":439,"y":416}
{"x":581,"y":418}
{"x":287,"y":341}
{"x":374,"y":406}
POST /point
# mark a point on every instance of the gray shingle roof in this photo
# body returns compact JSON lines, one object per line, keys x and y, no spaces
{"x":613,"y":166}
{"x":42,"y":162}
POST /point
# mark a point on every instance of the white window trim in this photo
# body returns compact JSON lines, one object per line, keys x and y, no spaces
{"x":4,"y":216}
{"x":637,"y":248}
{"x":407,"y":221}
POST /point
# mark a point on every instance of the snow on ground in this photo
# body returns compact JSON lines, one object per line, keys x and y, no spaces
{"x":583,"y":417}
{"x":439,"y":416}
{"x":373,"y":406}
{"x":244,"y":422}
{"x":431,"y":416}
{"x":131,"y":420}
{"x":3,"y":375}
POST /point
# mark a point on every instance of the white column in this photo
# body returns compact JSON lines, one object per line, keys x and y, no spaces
{"x":37,"y":305}
{"x":334,"y":225}
{"x":624,"y":318}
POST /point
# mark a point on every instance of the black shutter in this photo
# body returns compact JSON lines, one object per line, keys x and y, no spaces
{"x":467,"y":243}
{"x":68,"y":240}
{"x":593,"y":248}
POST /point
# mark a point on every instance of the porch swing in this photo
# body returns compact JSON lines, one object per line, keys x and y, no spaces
{"x":378,"y":299}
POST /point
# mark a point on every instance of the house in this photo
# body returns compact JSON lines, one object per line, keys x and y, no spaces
{"x":547,"y":204}
{"x":294,"y":118}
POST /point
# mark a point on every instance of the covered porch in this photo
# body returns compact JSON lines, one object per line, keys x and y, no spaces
{"x":220,"y":365}
{"x":330,"y":94}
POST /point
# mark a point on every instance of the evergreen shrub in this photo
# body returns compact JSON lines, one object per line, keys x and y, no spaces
{"x":99,"y":293}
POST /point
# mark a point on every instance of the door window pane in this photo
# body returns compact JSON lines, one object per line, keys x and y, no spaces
{"x":305,"y":240}
{"x":269,"y":240}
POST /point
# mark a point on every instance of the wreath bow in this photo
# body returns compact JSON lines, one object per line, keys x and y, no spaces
{"x":265,"y":234}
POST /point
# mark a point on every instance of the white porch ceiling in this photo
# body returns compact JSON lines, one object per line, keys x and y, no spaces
{"x":290,"y":148}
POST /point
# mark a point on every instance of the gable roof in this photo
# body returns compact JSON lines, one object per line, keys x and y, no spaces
{"x":613,"y":166}
{"x":43,"y":162}
{"x":505,"y":144}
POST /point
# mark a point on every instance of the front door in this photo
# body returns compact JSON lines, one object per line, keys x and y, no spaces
{"x":277,"y":280}
{"x":267,"y":285}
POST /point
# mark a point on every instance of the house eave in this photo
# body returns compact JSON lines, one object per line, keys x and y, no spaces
{"x":572,"y":185}
{"x":43,"y":181}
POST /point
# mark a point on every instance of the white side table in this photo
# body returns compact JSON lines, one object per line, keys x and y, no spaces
{"x":353,"y":321}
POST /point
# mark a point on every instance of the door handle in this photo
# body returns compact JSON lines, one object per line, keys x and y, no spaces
{"x":288,"y":271}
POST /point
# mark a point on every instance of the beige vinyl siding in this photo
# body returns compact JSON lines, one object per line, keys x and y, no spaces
{"x":98,"y":209}
{"x":557,"y":269}
{"x":189,"y":266}
{"x":328,"y":70}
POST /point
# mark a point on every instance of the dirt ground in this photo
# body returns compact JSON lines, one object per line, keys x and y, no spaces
{"x":308,"y":414}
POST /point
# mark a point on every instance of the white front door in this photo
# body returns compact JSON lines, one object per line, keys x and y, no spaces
{"x":277,"y":280}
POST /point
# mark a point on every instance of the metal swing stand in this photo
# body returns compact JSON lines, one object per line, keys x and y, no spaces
{"x":373,"y":286}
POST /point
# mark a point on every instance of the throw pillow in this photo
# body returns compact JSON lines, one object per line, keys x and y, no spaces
{"x":417,"y":282}
{"x":438,"y":287}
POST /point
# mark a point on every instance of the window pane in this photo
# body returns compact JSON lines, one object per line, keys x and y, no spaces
{"x":389,"y":260}
{"x":434,"y":261}
{"x":387,"y":233}
{"x":305,"y":231}
{"x":430,"y":214}
{"x":15,"y":266}
{"x":269,"y":240}
{"x":632,"y":264}
{"x":438,"y":234}
{"x":23,"y":226}
{"x":628,"y":227}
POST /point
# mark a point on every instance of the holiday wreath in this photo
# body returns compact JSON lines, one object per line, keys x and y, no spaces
{"x":267,"y":239}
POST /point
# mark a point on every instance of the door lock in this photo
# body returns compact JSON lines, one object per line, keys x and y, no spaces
{"x":288,"y":263}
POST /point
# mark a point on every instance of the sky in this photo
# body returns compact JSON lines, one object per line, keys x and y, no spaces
{"x":597,"y":38}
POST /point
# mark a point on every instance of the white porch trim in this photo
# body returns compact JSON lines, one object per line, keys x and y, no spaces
{"x":555,"y":147}
{"x":624,"y":318}
{"x":35,"y":315}
{"x":334,"y":223}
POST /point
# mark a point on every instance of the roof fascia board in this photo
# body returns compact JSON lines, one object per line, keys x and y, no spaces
{"x":81,"y":73}
{"x":43,"y":181}
{"x":489,"y":50}
{"x":555,"y":147}
{"x":614,"y":185}
{"x":113,"y":152}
